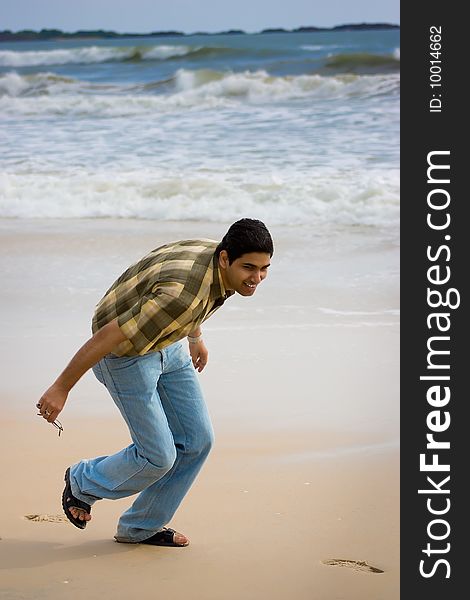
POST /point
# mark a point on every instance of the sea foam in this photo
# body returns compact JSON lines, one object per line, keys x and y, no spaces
{"x":46,"y":93}
{"x":92,"y":54}
{"x":354,"y":198}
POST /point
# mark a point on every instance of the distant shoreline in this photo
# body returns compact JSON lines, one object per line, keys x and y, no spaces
{"x":28,"y":35}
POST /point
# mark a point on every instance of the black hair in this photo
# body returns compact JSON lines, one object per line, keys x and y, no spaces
{"x":244,"y":236}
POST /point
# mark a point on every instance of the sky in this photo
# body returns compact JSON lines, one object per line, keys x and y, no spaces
{"x":188,"y":16}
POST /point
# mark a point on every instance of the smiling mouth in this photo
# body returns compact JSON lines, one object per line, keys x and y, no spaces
{"x":250,"y":285}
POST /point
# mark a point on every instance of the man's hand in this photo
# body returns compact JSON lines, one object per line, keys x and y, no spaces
{"x":199,"y":355}
{"x":52,"y":402}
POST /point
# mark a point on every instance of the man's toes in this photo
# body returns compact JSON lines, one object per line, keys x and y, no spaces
{"x":181,"y":539}
{"x":80,"y":514}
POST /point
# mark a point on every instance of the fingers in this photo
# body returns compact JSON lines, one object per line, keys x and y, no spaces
{"x":47,"y":412}
{"x":51,"y":417}
{"x":200,"y":364}
{"x":199,"y":358}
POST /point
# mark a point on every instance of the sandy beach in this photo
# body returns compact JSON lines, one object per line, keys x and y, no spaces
{"x":300,"y":496}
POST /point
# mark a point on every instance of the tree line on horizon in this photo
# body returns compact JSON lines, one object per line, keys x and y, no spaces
{"x":54,"y":34}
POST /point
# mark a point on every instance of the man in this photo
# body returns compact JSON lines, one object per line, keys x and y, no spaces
{"x":136,"y":353}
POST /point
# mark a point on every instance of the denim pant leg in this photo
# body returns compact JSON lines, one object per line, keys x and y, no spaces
{"x":132,"y":383}
{"x":189,"y":421}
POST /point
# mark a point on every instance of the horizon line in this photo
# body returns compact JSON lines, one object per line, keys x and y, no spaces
{"x":300,"y":28}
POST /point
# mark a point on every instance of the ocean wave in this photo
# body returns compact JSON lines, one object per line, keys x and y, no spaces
{"x":260,"y":85}
{"x":104,"y":54}
{"x":314,"y":47}
{"x":15,"y":85}
{"x":362,"y":62}
{"x":352,"y":197}
{"x":46,"y":93}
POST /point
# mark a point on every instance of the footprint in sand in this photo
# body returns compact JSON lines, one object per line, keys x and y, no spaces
{"x":47,"y":518}
{"x":357,"y":565}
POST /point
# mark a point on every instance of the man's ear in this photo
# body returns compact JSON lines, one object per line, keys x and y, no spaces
{"x":223,"y":259}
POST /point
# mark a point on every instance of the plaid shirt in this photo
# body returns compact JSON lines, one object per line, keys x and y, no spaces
{"x":163,"y":297}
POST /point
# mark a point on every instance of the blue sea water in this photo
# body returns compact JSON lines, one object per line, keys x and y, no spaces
{"x":292,"y":128}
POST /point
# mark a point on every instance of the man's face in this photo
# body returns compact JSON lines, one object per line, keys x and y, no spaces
{"x":245,"y":273}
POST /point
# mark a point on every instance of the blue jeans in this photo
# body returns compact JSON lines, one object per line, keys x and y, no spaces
{"x":160,"y":399}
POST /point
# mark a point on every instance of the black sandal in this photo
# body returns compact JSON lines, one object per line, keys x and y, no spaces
{"x":164,"y":538}
{"x":69,"y":501}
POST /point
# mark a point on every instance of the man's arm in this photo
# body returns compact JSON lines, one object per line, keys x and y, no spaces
{"x":102,"y":342}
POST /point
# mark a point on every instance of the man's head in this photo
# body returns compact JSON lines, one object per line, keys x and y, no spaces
{"x":244,"y":255}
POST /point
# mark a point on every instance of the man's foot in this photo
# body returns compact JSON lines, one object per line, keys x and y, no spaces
{"x":76,"y":511}
{"x":167,"y":537}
